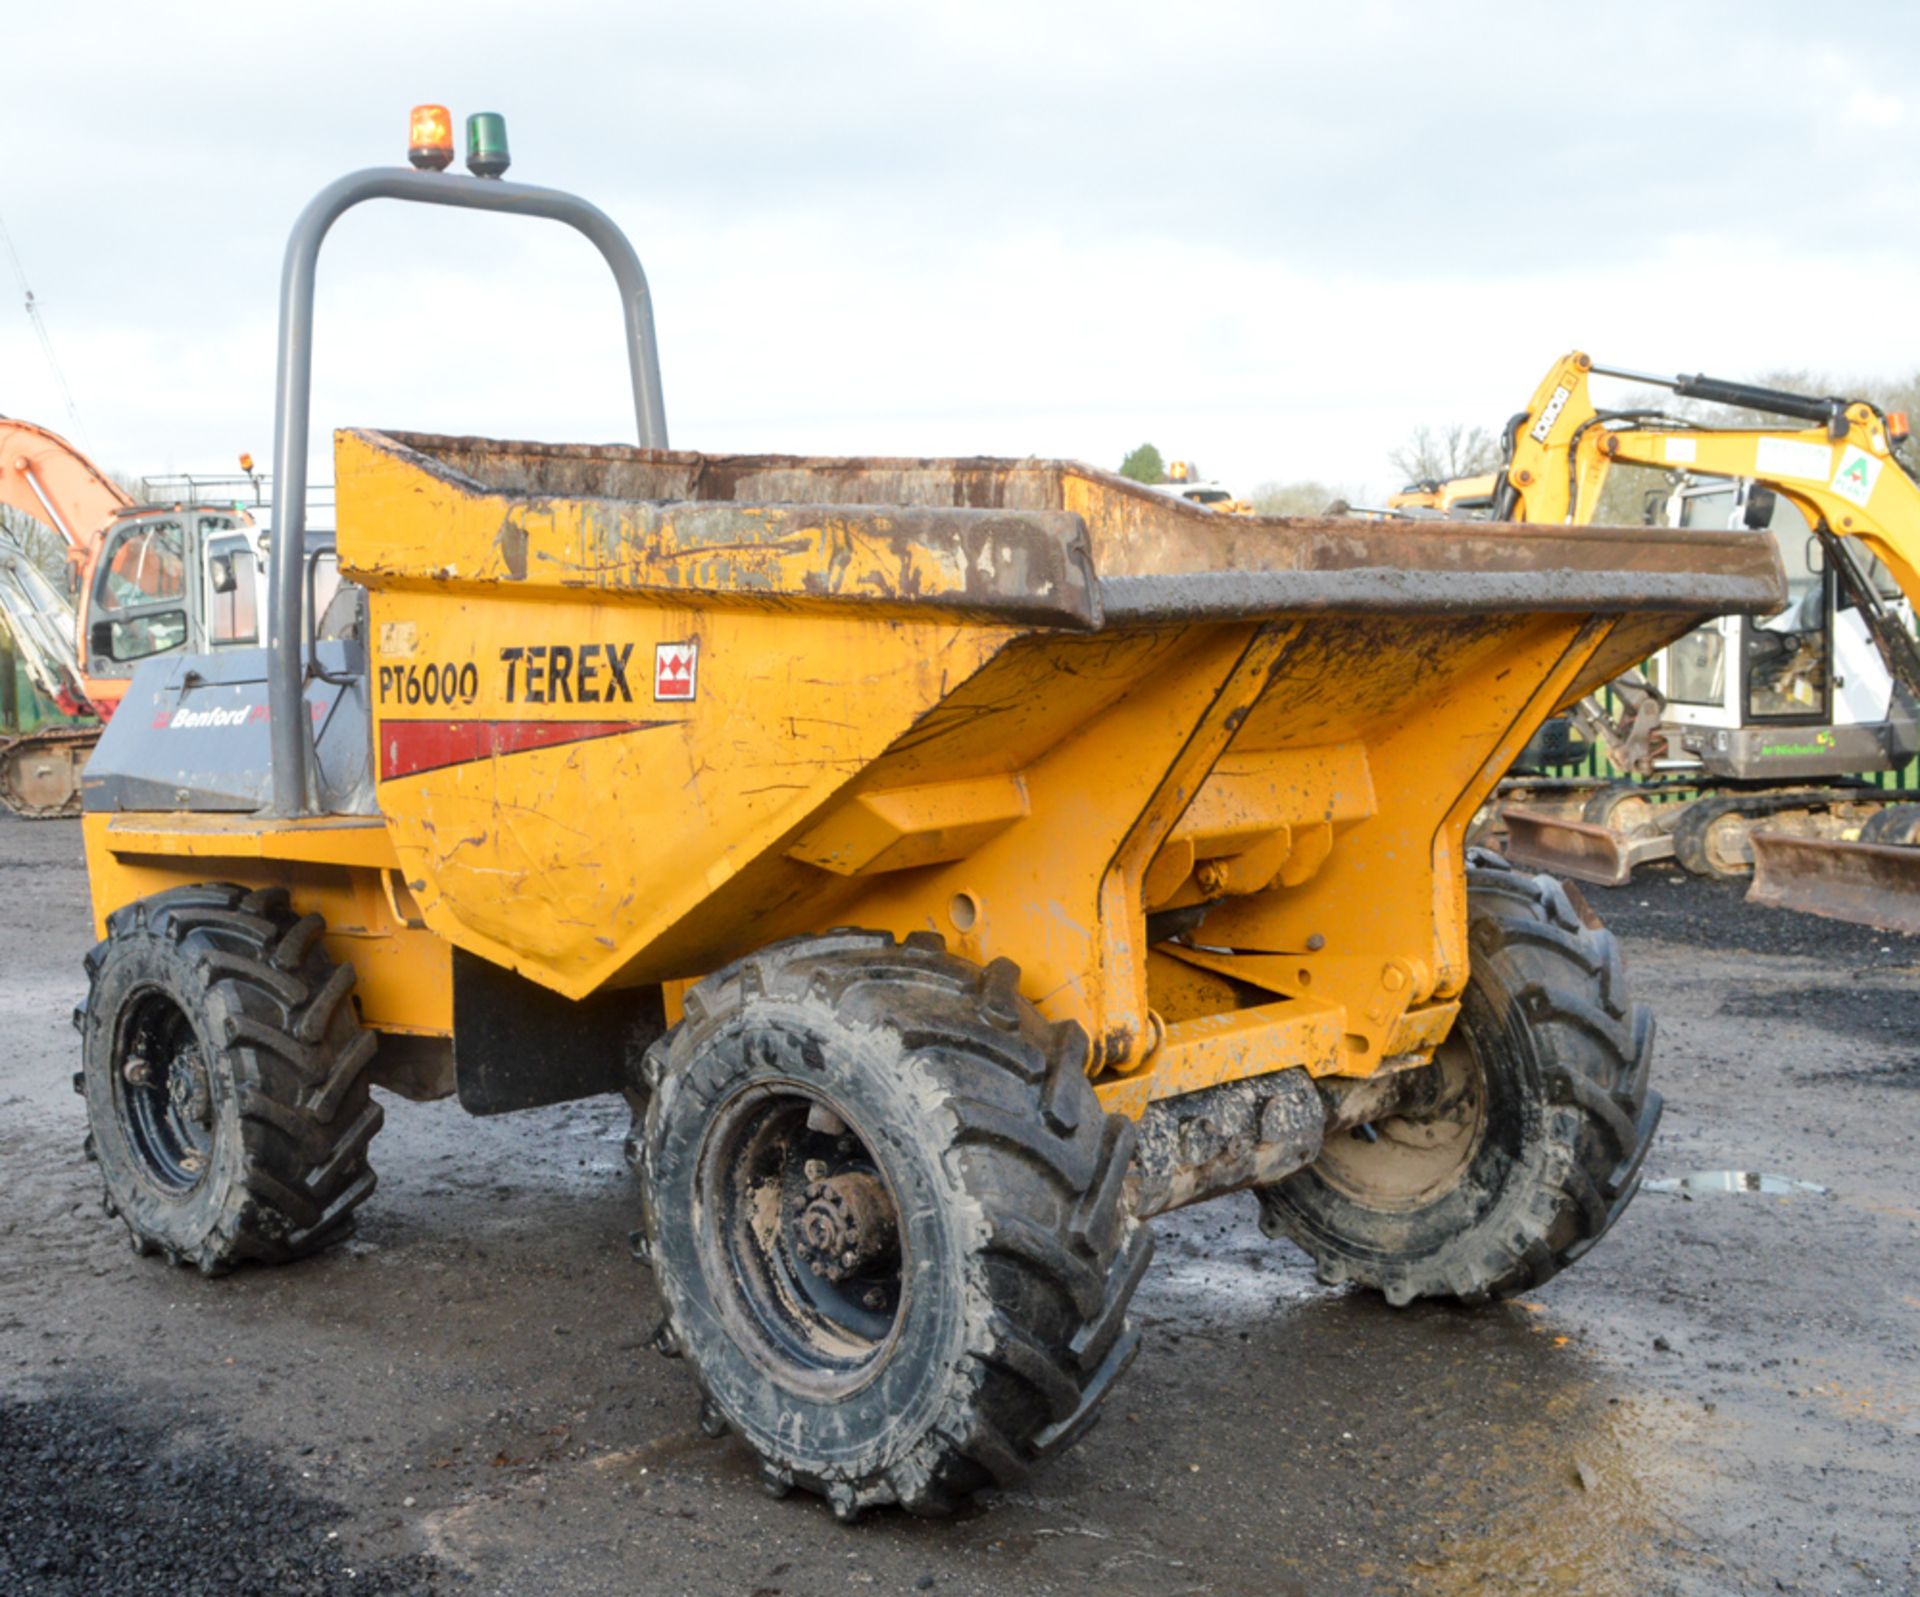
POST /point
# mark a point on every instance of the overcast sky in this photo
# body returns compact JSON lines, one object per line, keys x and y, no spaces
{"x":1272,"y":237}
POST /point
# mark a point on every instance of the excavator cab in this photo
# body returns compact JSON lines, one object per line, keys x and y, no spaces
{"x":1789,"y":694}
{"x":167,"y":576}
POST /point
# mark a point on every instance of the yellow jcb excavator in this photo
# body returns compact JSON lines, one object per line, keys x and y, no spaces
{"x":1760,"y":728}
{"x":1457,"y":499}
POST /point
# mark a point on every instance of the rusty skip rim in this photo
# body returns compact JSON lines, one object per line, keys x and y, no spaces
{"x":1220,"y":595}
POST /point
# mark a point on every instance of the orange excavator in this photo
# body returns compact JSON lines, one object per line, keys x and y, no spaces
{"x":142,"y":580}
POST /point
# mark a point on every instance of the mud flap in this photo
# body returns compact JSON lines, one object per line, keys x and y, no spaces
{"x":1869,"y":884}
{"x":517,"y":1045}
{"x":1537,"y":841}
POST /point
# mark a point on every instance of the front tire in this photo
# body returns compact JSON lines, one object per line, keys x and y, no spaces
{"x":1531,"y":1145}
{"x":884,"y":1210}
{"x":225,"y":1077}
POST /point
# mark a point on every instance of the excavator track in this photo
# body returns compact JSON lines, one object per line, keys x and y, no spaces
{"x":40,"y":771}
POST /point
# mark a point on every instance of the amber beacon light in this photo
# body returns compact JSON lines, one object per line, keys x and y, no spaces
{"x":430,"y":138}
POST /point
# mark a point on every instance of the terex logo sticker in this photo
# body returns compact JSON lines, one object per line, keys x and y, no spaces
{"x":560,"y":673}
{"x":676,"y":670}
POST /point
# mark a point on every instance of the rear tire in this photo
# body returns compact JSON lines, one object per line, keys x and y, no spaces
{"x":224,"y":1071}
{"x":1534,"y":1146}
{"x":884,"y":1210}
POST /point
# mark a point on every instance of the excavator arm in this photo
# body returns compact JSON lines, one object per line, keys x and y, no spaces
{"x":45,"y":477}
{"x":1842,"y":474}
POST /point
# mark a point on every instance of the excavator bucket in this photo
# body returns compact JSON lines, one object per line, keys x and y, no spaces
{"x":1870,"y":884}
{"x":1583,"y":850}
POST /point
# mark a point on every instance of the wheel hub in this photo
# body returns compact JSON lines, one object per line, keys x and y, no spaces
{"x":188,"y":1089}
{"x":845,"y":1226}
{"x":806,"y":1236}
{"x":164,"y":1095}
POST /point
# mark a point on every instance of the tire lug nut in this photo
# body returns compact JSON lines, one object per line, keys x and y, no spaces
{"x":137,"y":1071}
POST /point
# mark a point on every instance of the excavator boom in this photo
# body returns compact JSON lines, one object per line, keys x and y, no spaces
{"x":47,"y":478}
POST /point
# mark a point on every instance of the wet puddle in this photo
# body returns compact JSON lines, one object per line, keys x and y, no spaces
{"x":1733,"y":1181}
{"x":1574,"y":1502}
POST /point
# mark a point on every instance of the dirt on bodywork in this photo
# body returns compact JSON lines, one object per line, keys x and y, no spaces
{"x":1720,"y":1398}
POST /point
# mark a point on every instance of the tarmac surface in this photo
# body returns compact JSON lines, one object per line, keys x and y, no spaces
{"x":1723,"y":1397}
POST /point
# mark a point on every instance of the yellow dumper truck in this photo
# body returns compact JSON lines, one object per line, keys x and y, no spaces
{"x":957,"y":862}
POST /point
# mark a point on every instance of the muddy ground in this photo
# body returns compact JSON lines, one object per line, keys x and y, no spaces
{"x":1723,"y":1397}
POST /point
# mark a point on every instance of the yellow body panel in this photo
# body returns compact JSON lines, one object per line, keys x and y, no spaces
{"x":638,"y":714}
{"x":344,"y":870}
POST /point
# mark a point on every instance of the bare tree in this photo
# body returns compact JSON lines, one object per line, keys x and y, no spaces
{"x":1439,"y":454}
{"x":40,"y":543}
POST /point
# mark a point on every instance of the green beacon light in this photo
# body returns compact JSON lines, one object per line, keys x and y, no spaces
{"x":487,"y":144}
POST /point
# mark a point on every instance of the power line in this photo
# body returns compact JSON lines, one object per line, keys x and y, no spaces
{"x":40,"y":328}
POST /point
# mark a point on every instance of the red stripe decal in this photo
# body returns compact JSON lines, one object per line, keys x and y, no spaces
{"x":409,"y":747}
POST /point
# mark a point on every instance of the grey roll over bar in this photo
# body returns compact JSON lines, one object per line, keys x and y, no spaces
{"x":291,"y":737}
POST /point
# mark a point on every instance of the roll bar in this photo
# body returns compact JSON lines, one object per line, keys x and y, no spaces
{"x":291,"y":735}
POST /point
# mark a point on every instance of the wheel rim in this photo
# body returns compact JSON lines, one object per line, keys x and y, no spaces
{"x":163,"y":1093}
{"x":801,"y":1236}
{"x":1409,"y":1161}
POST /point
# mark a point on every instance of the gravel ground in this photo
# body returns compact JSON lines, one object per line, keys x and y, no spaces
{"x":1721,"y":1398}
